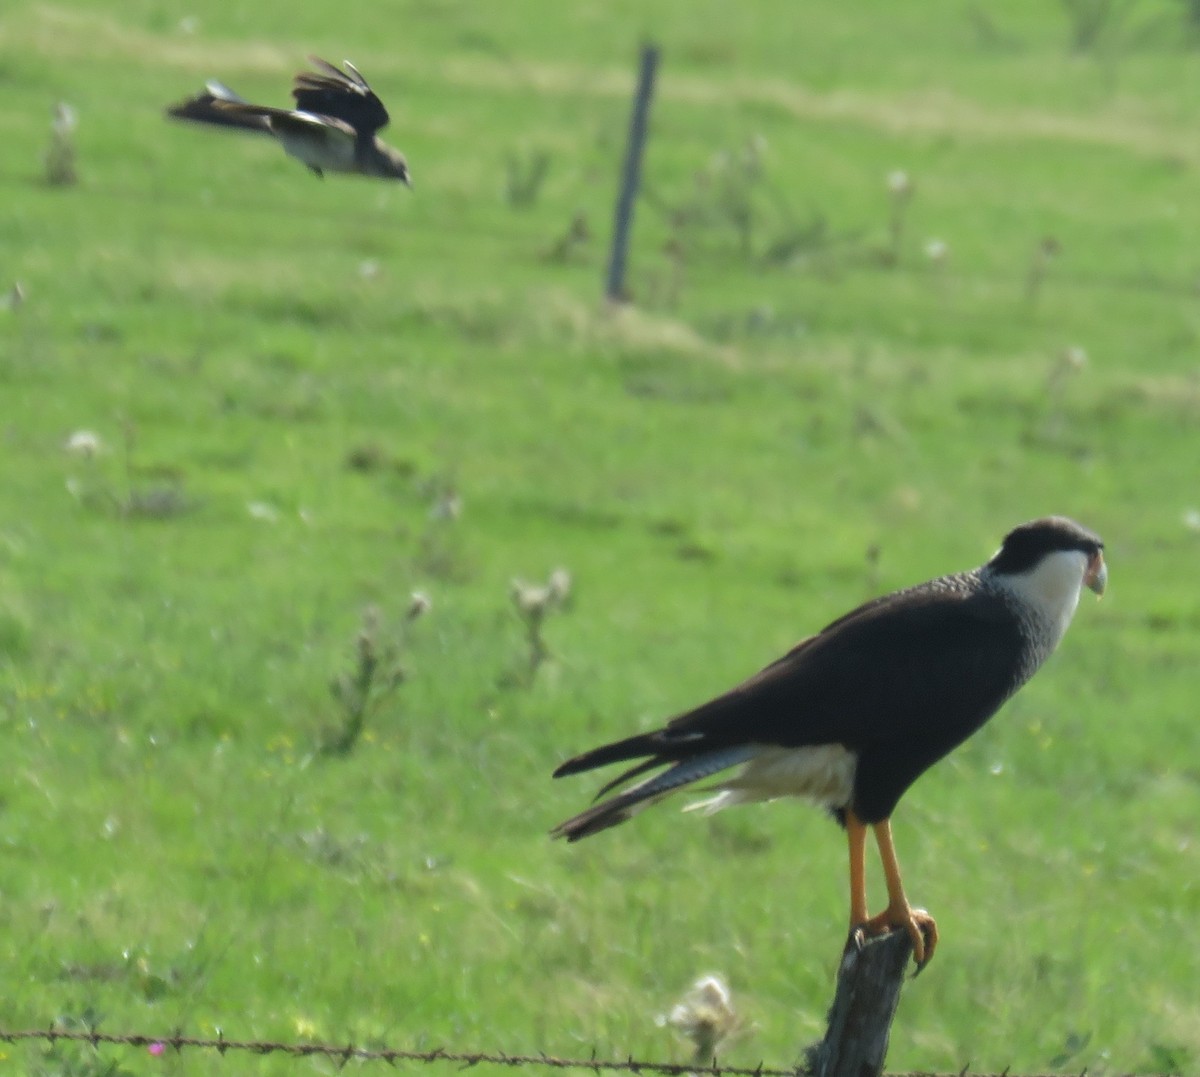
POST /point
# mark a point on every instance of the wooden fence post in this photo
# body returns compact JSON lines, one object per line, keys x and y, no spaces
{"x":631,"y":175}
{"x":860,"y":1019}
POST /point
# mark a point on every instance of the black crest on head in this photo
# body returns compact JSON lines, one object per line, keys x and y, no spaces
{"x":1025,"y":546}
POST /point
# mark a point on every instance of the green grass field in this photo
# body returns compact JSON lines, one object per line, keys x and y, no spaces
{"x":291,"y":380}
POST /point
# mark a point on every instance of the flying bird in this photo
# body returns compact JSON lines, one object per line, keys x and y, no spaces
{"x":850,"y":717}
{"x":332,"y":128}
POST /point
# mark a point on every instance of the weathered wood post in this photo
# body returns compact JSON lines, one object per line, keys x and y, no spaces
{"x":860,"y":1019}
{"x":631,"y":175}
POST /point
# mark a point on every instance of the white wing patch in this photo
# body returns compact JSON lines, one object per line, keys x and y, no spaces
{"x":823,"y":773}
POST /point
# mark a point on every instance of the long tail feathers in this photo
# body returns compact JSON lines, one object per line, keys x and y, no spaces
{"x":635,"y":747}
{"x":624,"y":805}
{"x":221,"y":107}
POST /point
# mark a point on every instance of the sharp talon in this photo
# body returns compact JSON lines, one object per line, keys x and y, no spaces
{"x":924,"y":929}
{"x":924,"y":960}
{"x":916,"y":923}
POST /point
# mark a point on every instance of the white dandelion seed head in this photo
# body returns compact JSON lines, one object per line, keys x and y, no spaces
{"x":937,"y":250}
{"x":559,"y":584}
{"x":1074,"y":357}
{"x":529,"y":598}
{"x":261,"y":510}
{"x":66,"y":119}
{"x":705,"y":1015}
{"x":419,"y":605}
{"x":899,"y":184}
{"x":85,"y":443}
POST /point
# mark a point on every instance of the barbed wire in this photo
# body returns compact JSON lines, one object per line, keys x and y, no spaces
{"x":352,"y":1053}
{"x":343,"y":1054}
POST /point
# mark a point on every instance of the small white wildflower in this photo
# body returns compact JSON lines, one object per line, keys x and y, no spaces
{"x":66,"y":119}
{"x":559,"y":585}
{"x":1074,"y":357}
{"x":530,"y":599}
{"x":85,"y":443}
{"x":260,"y":510}
{"x":59,"y":159}
{"x":898,"y":183}
{"x":937,"y":251}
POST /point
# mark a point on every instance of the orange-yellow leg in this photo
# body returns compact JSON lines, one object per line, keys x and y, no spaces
{"x":899,"y":913}
{"x":856,"y":835}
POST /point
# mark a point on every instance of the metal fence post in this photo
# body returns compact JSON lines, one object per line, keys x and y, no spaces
{"x":631,"y":175}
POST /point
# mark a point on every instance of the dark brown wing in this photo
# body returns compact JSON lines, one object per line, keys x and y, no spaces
{"x":911,"y":663}
{"x":344,"y":96}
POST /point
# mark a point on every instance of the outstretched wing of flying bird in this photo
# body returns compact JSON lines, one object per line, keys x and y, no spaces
{"x":347,"y":97}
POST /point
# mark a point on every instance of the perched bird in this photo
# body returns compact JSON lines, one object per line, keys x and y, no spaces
{"x":850,"y":717}
{"x":331,"y":129}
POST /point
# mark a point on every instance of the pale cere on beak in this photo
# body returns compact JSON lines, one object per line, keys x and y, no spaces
{"x":1097,"y":574}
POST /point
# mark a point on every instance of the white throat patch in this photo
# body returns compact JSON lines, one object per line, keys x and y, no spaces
{"x":1049,"y":591}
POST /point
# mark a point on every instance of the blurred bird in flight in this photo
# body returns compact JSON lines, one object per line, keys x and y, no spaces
{"x":332,"y":128}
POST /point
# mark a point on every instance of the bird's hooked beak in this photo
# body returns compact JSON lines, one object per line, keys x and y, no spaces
{"x":1096,"y":576}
